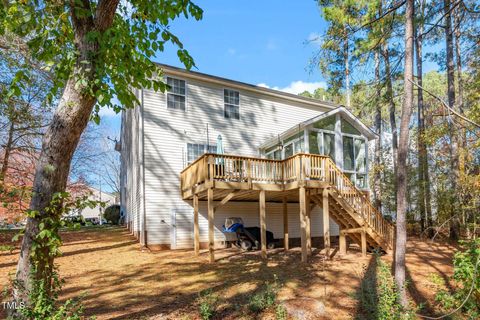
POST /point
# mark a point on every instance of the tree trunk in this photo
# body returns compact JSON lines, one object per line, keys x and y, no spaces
{"x":454,"y":222}
{"x":389,"y":97}
{"x":424,"y":196}
{"x":61,"y":139}
{"x":377,"y":190}
{"x":401,"y":237}
{"x":6,"y":153}
{"x":458,"y":51}
{"x":424,"y":175}
{"x":347,"y":70}
{"x":463,"y":137}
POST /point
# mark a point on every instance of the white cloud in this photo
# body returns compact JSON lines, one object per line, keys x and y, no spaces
{"x":297,"y":87}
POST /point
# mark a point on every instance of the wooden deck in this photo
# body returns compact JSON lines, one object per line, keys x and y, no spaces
{"x":307,"y":179}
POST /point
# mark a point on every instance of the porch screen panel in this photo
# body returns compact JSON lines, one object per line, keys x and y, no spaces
{"x":329,"y":145}
{"x":315,"y":142}
{"x":289,"y":150}
{"x":360,"y":159}
{"x":348,"y":154}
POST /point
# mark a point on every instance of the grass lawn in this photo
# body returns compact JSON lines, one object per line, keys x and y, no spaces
{"x":122,"y":282}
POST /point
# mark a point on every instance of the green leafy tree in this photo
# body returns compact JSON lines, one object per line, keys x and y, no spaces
{"x":96,"y":50}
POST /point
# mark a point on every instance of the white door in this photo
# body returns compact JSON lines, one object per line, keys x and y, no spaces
{"x":181,"y":229}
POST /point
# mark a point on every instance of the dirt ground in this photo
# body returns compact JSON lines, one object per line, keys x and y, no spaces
{"x":120,"y":281}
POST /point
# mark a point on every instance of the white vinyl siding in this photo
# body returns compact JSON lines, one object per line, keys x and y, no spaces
{"x":132,"y":168}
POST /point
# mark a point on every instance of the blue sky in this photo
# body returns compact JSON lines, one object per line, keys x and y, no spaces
{"x":258,"y":42}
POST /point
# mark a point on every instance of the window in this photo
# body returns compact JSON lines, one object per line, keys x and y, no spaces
{"x":355,"y":160}
{"x":294,"y":144}
{"x":276,"y":155}
{"x":231,"y":101}
{"x":360,"y":159}
{"x":348,"y":128}
{"x":176,"y":94}
{"x":289,"y":151}
{"x":326,"y":123}
{"x":348,"y":154}
{"x":322,"y":143}
{"x":195,"y":150}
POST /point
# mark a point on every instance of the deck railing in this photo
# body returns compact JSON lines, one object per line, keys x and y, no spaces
{"x":299,"y":167}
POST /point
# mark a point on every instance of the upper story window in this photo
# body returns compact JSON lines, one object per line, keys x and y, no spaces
{"x":231,"y":100}
{"x":195,"y":150}
{"x":176,"y":94}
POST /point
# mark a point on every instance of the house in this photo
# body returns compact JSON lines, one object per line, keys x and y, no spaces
{"x":285,"y":160}
{"x":81,"y":189}
{"x":95,"y":194}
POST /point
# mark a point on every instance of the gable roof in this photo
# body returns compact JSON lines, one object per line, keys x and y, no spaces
{"x":350,"y":117}
{"x":318,"y":104}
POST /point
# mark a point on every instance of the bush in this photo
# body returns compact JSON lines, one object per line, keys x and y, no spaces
{"x":207,"y":304}
{"x":378,"y":294}
{"x":466,"y":275}
{"x":112,"y":214}
{"x":265,"y":298}
{"x":280,"y":312}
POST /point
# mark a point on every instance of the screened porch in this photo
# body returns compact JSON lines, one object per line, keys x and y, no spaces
{"x":337,"y":134}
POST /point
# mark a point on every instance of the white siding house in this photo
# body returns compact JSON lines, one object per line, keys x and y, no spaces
{"x":98,"y":195}
{"x":167,"y":131}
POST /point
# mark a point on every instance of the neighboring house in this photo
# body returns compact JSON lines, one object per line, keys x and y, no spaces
{"x":101,"y":196}
{"x":169,"y":131}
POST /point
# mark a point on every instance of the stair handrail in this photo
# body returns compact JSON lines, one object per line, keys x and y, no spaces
{"x":381,"y":225}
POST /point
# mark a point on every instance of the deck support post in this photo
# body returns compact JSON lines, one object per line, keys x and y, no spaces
{"x":308,"y":223}
{"x":326,"y":222}
{"x":211,"y":235}
{"x":285,"y":223}
{"x":196,"y":230}
{"x":263,"y":226}
{"x":342,"y":243}
{"x":303,"y":220}
{"x":364,"y":243}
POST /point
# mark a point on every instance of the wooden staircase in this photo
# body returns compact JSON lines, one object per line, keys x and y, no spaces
{"x":352,"y":210}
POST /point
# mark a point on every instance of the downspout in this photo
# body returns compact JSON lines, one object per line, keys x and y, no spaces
{"x":144,"y":222}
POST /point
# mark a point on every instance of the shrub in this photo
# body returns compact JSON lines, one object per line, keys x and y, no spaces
{"x":466,"y":275}
{"x":280,"y":312}
{"x":7,"y":247}
{"x":378,"y":295}
{"x":112,"y":214}
{"x":207,"y":304}
{"x":265,"y":298}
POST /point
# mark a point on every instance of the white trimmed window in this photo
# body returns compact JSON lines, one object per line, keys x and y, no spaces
{"x":231,"y":100}
{"x":176,"y":94}
{"x":195,"y":150}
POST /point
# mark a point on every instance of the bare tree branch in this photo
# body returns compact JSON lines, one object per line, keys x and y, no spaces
{"x":446,"y":105}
